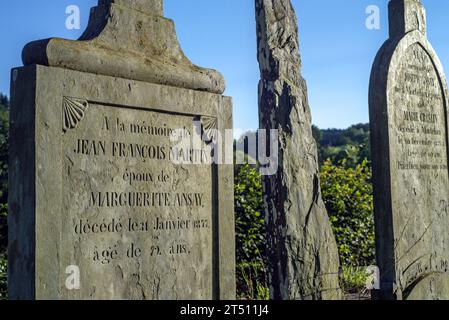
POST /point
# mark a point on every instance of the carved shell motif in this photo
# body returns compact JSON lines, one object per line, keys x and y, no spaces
{"x":73,"y":112}
{"x":210,"y":129}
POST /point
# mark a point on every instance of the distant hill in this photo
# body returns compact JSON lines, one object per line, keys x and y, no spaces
{"x":4,"y":101}
{"x":352,"y":144}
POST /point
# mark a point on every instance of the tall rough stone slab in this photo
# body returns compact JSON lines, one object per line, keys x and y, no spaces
{"x":105,"y":201}
{"x":409,"y":126}
{"x":303,"y":255}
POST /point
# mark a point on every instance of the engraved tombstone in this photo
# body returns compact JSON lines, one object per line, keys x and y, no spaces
{"x":409,"y":124}
{"x":109,"y":196}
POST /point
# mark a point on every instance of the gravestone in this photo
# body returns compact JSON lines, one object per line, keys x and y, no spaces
{"x":409,"y":127}
{"x":116,"y":187}
{"x":302,"y":250}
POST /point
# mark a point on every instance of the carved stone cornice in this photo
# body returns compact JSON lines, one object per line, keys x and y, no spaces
{"x":127,"y":39}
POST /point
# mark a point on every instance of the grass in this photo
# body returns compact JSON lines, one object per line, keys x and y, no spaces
{"x":354,"y":279}
{"x":3,"y":277}
{"x":252,"y":282}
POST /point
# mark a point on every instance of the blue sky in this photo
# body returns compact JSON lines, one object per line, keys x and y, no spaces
{"x":337,"y":49}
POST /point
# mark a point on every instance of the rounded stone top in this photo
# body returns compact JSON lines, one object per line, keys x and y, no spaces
{"x":151,"y":6}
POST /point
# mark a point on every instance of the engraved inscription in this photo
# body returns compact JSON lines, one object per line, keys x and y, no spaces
{"x":136,"y":220}
{"x":419,"y":160}
{"x":419,"y":115}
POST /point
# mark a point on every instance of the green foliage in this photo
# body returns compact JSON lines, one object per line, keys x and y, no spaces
{"x":317,"y":135}
{"x":351,"y":145}
{"x":3,"y":279}
{"x":252,"y":281}
{"x":347,"y":193}
{"x":353,"y":279}
{"x":250,"y":235}
{"x":4,"y":101}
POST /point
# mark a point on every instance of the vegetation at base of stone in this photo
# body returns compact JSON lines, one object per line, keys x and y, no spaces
{"x":4,"y":128}
{"x":348,"y":196}
{"x":353,"y":279}
{"x":252,"y":279}
{"x":351,"y":145}
{"x":3,"y":279}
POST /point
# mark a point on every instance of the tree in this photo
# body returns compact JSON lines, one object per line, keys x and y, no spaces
{"x":348,"y":196}
{"x":4,"y":101}
{"x":351,"y":145}
{"x":252,"y":282}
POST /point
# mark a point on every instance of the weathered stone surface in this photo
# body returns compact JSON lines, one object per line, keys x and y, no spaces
{"x":304,"y":262}
{"x":128,"y":39}
{"x":88,"y":150}
{"x":408,"y":115}
{"x":150,"y":6}
{"x":114,"y":177}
